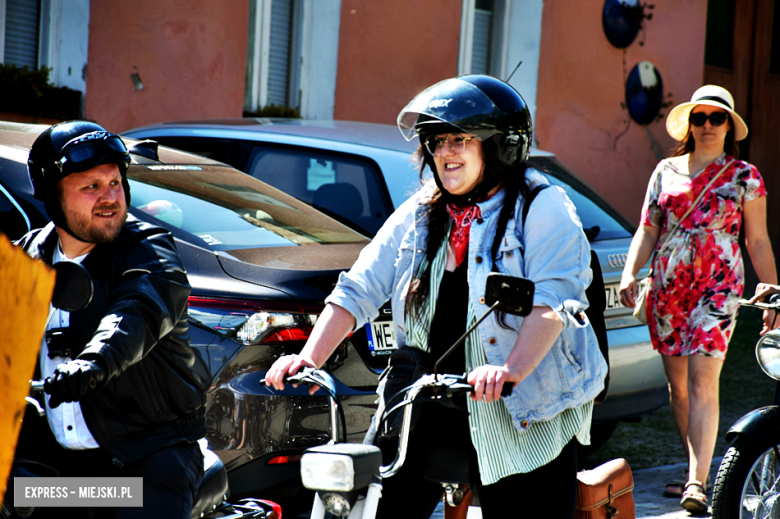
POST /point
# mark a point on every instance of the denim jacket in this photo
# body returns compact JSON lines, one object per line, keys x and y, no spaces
{"x":553,"y":252}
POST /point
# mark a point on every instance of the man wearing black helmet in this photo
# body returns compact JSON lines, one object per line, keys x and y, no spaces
{"x":127,"y":390}
{"x":431,"y":259}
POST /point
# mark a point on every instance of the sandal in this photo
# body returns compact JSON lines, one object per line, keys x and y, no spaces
{"x":676,"y":487}
{"x":695,"y":497}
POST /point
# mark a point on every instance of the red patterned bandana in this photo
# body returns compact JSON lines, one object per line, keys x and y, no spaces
{"x":461,"y":221}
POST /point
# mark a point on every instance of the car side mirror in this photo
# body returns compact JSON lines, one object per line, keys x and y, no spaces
{"x":514,"y":295}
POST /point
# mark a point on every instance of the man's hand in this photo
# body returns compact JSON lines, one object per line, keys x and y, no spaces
{"x":71,"y":380}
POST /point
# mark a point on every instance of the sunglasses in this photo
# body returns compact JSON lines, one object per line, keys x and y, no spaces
{"x":716,"y":118}
{"x":90,"y":150}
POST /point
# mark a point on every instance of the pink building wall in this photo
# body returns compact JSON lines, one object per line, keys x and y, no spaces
{"x":387,"y":55}
{"x":190,"y":56}
{"x":581,"y":85}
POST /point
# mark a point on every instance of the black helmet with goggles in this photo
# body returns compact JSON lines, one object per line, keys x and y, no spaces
{"x":72,"y":147}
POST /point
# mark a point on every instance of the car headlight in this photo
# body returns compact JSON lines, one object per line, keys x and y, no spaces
{"x":768,"y":353}
{"x":342,"y":467}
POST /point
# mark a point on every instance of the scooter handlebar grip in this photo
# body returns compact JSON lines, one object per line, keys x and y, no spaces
{"x":507,"y":388}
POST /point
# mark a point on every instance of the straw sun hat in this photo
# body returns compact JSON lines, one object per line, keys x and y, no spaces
{"x":712,"y":95}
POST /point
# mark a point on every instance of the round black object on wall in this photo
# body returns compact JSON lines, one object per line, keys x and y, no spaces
{"x":622,"y":20}
{"x":644,"y":92}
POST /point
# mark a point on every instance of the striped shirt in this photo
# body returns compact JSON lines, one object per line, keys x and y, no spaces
{"x":502,"y":450}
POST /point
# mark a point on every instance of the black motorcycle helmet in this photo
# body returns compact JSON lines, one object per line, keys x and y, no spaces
{"x":483,"y":106}
{"x":72,"y":147}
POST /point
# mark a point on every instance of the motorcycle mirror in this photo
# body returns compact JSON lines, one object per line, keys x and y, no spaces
{"x":72,"y":287}
{"x":768,"y":353}
{"x":514,"y":295}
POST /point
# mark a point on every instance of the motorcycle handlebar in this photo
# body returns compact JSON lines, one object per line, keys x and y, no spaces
{"x":773,"y":304}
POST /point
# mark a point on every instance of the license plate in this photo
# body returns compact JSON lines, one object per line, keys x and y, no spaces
{"x":381,"y":337}
{"x":613,"y":298}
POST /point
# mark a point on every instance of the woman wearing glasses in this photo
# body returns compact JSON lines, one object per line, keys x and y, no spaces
{"x":696,"y":203}
{"x":431,"y":260}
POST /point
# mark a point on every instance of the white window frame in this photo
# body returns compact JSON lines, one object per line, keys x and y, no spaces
{"x":498,"y":45}
{"x":43,"y":28}
{"x":315,"y":62}
{"x":63,"y":38}
{"x":256,"y":95}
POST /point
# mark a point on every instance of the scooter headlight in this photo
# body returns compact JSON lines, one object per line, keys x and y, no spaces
{"x":341,"y":467}
{"x":327,"y":472}
{"x":768,"y":353}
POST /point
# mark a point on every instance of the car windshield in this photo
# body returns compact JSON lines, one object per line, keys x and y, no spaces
{"x":599,"y":220}
{"x":225,"y":210}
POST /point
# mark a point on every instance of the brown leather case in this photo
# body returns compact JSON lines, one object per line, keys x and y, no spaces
{"x":606,"y":492}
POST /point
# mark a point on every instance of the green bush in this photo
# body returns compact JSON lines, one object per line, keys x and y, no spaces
{"x":273,"y":110}
{"x":28,"y":91}
{"x":36,"y":81}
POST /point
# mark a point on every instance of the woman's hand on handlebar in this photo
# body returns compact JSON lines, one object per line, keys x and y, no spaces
{"x":286,"y":366}
{"x":628,"y":290}
{"x":489,"y":380}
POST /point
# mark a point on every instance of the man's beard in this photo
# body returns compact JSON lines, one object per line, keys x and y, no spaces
{"x":82,"y":228}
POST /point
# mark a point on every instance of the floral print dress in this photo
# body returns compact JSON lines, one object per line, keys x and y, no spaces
{"x":698,"y":276}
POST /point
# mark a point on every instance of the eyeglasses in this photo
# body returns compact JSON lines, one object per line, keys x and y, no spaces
{"x":716,"y":118}
{"x":90,"y":150}
{"x":455,"y":143}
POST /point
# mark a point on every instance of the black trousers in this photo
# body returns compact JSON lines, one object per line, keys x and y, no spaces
{"x":171,"y":475}
{"x":549,"y":491}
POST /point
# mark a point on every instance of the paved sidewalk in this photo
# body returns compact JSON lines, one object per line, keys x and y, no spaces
{"x":649,"y":491}
{"x":649,"y":497}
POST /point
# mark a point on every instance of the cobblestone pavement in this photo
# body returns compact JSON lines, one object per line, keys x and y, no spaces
{"x":649,"y":497}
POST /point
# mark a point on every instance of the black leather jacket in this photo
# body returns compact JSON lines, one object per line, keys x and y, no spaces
{"x":136,"y":327}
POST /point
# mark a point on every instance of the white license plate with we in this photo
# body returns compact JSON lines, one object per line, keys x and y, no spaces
{"x":381,"y":337}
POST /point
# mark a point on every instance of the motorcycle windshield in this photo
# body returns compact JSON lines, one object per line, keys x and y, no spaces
{"x":455,"y":102}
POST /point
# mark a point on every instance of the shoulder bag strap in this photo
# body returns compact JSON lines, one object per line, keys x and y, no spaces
{"x":501,"y":229}
{"x":690,"y":209}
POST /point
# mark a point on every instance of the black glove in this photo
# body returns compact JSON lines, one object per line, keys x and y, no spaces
{"x":71,"y":380}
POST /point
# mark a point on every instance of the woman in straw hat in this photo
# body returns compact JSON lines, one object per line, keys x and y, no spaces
{"x":696,"y":202}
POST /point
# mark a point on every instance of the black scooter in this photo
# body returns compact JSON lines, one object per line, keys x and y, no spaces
{"x":73,"y":291}
{"x":748,"y":480}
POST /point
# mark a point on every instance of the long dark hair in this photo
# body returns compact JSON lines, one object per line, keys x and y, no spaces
{"x":688,"y":144}
{"x":515,"y":184}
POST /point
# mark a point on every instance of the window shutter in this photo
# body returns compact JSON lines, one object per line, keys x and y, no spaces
{"x":22,"y":19}
{"x":480,"y":56}
{"x":279,"y":52}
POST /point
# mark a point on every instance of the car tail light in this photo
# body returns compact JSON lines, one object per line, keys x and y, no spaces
{"x":254,"y":322}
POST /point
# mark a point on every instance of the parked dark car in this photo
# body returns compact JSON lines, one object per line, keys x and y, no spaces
{"x":260,"y":264}
{"x":360,"y":172}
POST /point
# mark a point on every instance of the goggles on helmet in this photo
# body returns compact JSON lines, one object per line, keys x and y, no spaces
{"x":456,"y":102}
{"x":90,"y":150}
